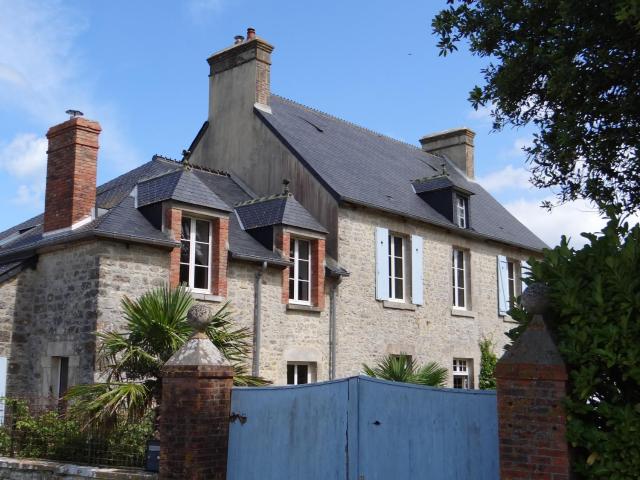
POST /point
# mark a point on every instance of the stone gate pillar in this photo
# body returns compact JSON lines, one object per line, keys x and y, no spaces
{"x":531,"y":387}
{"x":195,"y":408}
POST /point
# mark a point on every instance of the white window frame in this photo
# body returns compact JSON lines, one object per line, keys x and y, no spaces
{"x":293,"y":271}
{"x":455,"y":267}
{"x":192,"y":252}
{"x":392,"y":267}
{"x":310,"y":372}
{"x":461,"y":211}
{"x":512,"y":280}
{"x":462,"y":369}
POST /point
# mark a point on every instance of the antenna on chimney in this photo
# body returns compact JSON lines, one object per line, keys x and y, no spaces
{"x":74,"y":113}
{"x":285,"y":186}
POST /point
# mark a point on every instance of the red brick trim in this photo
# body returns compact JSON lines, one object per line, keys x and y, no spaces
{"x":173,"y":224}
{"x":219,"y":260}
{"x":317,"y":273}
{"x":283,"y":242}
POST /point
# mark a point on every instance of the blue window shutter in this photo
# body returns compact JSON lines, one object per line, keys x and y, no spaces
{"x":503,"y":285}
{"x":382,"y":263}
{"x":525,"y":272}
{"x":417,"y":286}
{"x":3,"y":386}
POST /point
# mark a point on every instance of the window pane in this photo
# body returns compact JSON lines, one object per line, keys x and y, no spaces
{"x":457,"y":382}
{"x":200,"y":277}
{"x":290,"y":374}
{"x":303,"y":291}
{"x":202,"y":254}
{"x":186,"y":228}
{"x":460,"y":297}
{"x":292,"y":248}
{"x":399,"y":294}
{"x":303,"y":270}
{"x":398,"y":267}
{"x":292,"y":272}
{"x":184,"y":274}
{"x":291,"y":287}
{"x":460,"y":255}
{"x":202,"y":231}
{"x":397,"y":241}
{"x":303,"y":249}
{"x":460,"y":274}
{"x":184,"y":251}
{"x":303,"y":374}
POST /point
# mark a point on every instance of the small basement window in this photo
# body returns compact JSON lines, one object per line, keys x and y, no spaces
{"x":300,"y":373}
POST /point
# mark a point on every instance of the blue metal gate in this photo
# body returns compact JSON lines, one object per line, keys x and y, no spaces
{"x":362,"y":429}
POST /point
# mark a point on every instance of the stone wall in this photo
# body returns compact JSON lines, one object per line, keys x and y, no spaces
{"x":366,"y":330}
{"x":17,"y":469}
{"x":7,"y":311}
{"x":59,"y":305}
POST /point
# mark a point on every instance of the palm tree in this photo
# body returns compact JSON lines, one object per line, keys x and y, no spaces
{"x":130,"y":361}
{"x":402,"y":368}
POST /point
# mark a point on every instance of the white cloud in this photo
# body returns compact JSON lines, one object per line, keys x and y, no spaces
{"x":25,"y":155}
{"x":483,"y":113}
{"x":29,"y":196}
{"x":509,"y":177}
{"x":570,"y":219}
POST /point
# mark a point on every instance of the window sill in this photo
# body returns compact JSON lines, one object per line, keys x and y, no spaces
{"x":459,"y":312}
{"x":398,"y":305}
{"x":207,"y":297}
{"x":303,"y":308}
{"x":508,"y":319}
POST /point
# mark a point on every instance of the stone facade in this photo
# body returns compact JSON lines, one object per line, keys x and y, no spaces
{"x":367,"y":330}
{"x":54,"y":309}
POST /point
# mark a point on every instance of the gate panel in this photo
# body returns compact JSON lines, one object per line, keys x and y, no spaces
{"x":289,"y":432}
{"x":410,"y":432}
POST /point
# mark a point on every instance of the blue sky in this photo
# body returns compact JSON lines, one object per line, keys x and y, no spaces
{"x":139,"y":69}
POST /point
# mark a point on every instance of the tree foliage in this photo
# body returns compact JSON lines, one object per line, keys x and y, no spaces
{"x":402,"y":368}
{"x":130,"y":361}
{"x":488,"y":361}
{"x":595,"y":319}
{"x":571,"y":68}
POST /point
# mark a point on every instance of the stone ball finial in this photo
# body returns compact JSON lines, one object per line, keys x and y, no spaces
{"x":535,"y":299}
{"x":199,"y":317}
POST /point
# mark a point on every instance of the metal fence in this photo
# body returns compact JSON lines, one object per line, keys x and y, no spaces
{"x":44,"y":428}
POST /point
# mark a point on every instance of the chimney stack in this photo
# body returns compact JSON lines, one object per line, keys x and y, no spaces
{"x":72,"y":160}
{"x":240,"y":76}
{"x":455,"y":144}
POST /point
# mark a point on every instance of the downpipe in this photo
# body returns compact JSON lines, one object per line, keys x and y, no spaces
{"x":257,"y":320}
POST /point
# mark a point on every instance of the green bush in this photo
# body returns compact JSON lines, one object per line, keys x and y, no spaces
{"x":488,"y":361}
{"x":595,"y":319}
{"x":60,"y":436}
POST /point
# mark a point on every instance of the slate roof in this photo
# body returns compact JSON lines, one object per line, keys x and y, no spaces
{"x":277,"y":210}
{"x":157,"y":180}
{"x":181,"y":185}
{"x":363,"y":167}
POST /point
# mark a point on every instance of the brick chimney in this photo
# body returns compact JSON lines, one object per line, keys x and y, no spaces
{"x":456,"y":144}
{"x":71,"y":173}
{"x":239,"y":76}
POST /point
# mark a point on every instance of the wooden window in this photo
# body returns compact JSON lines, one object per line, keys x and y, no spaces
{"x":459,"y":278}
{"x":462,"y":375}
{"x":396,"y":268}
{"x":300,"y":373}
{"x":461,"y":211}
{"x":300,"y":271}
{"x":195,"y":254}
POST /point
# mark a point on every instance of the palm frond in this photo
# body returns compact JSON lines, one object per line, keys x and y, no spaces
{"x":402,"y":368}
{"x":432,"y":374}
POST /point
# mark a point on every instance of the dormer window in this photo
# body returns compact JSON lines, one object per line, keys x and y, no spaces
{"x":300,"y":271}
{"x":461,"y":211}
{"x":195,"y":254}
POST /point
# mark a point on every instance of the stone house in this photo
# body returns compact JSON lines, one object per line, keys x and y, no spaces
{"x":335,"y":245}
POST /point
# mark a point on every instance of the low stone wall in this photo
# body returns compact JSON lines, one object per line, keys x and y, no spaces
{"x":20,"y":469}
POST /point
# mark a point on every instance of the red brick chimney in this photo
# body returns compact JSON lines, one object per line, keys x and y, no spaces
{"x":71,"y":173}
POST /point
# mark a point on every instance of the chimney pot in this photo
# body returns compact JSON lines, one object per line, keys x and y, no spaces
{"x":251,"y":33}
{"x":238,"y":39}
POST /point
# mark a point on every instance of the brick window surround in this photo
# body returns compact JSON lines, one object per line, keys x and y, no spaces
{"x":283,"y":242}
{"x":219,"y":240}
